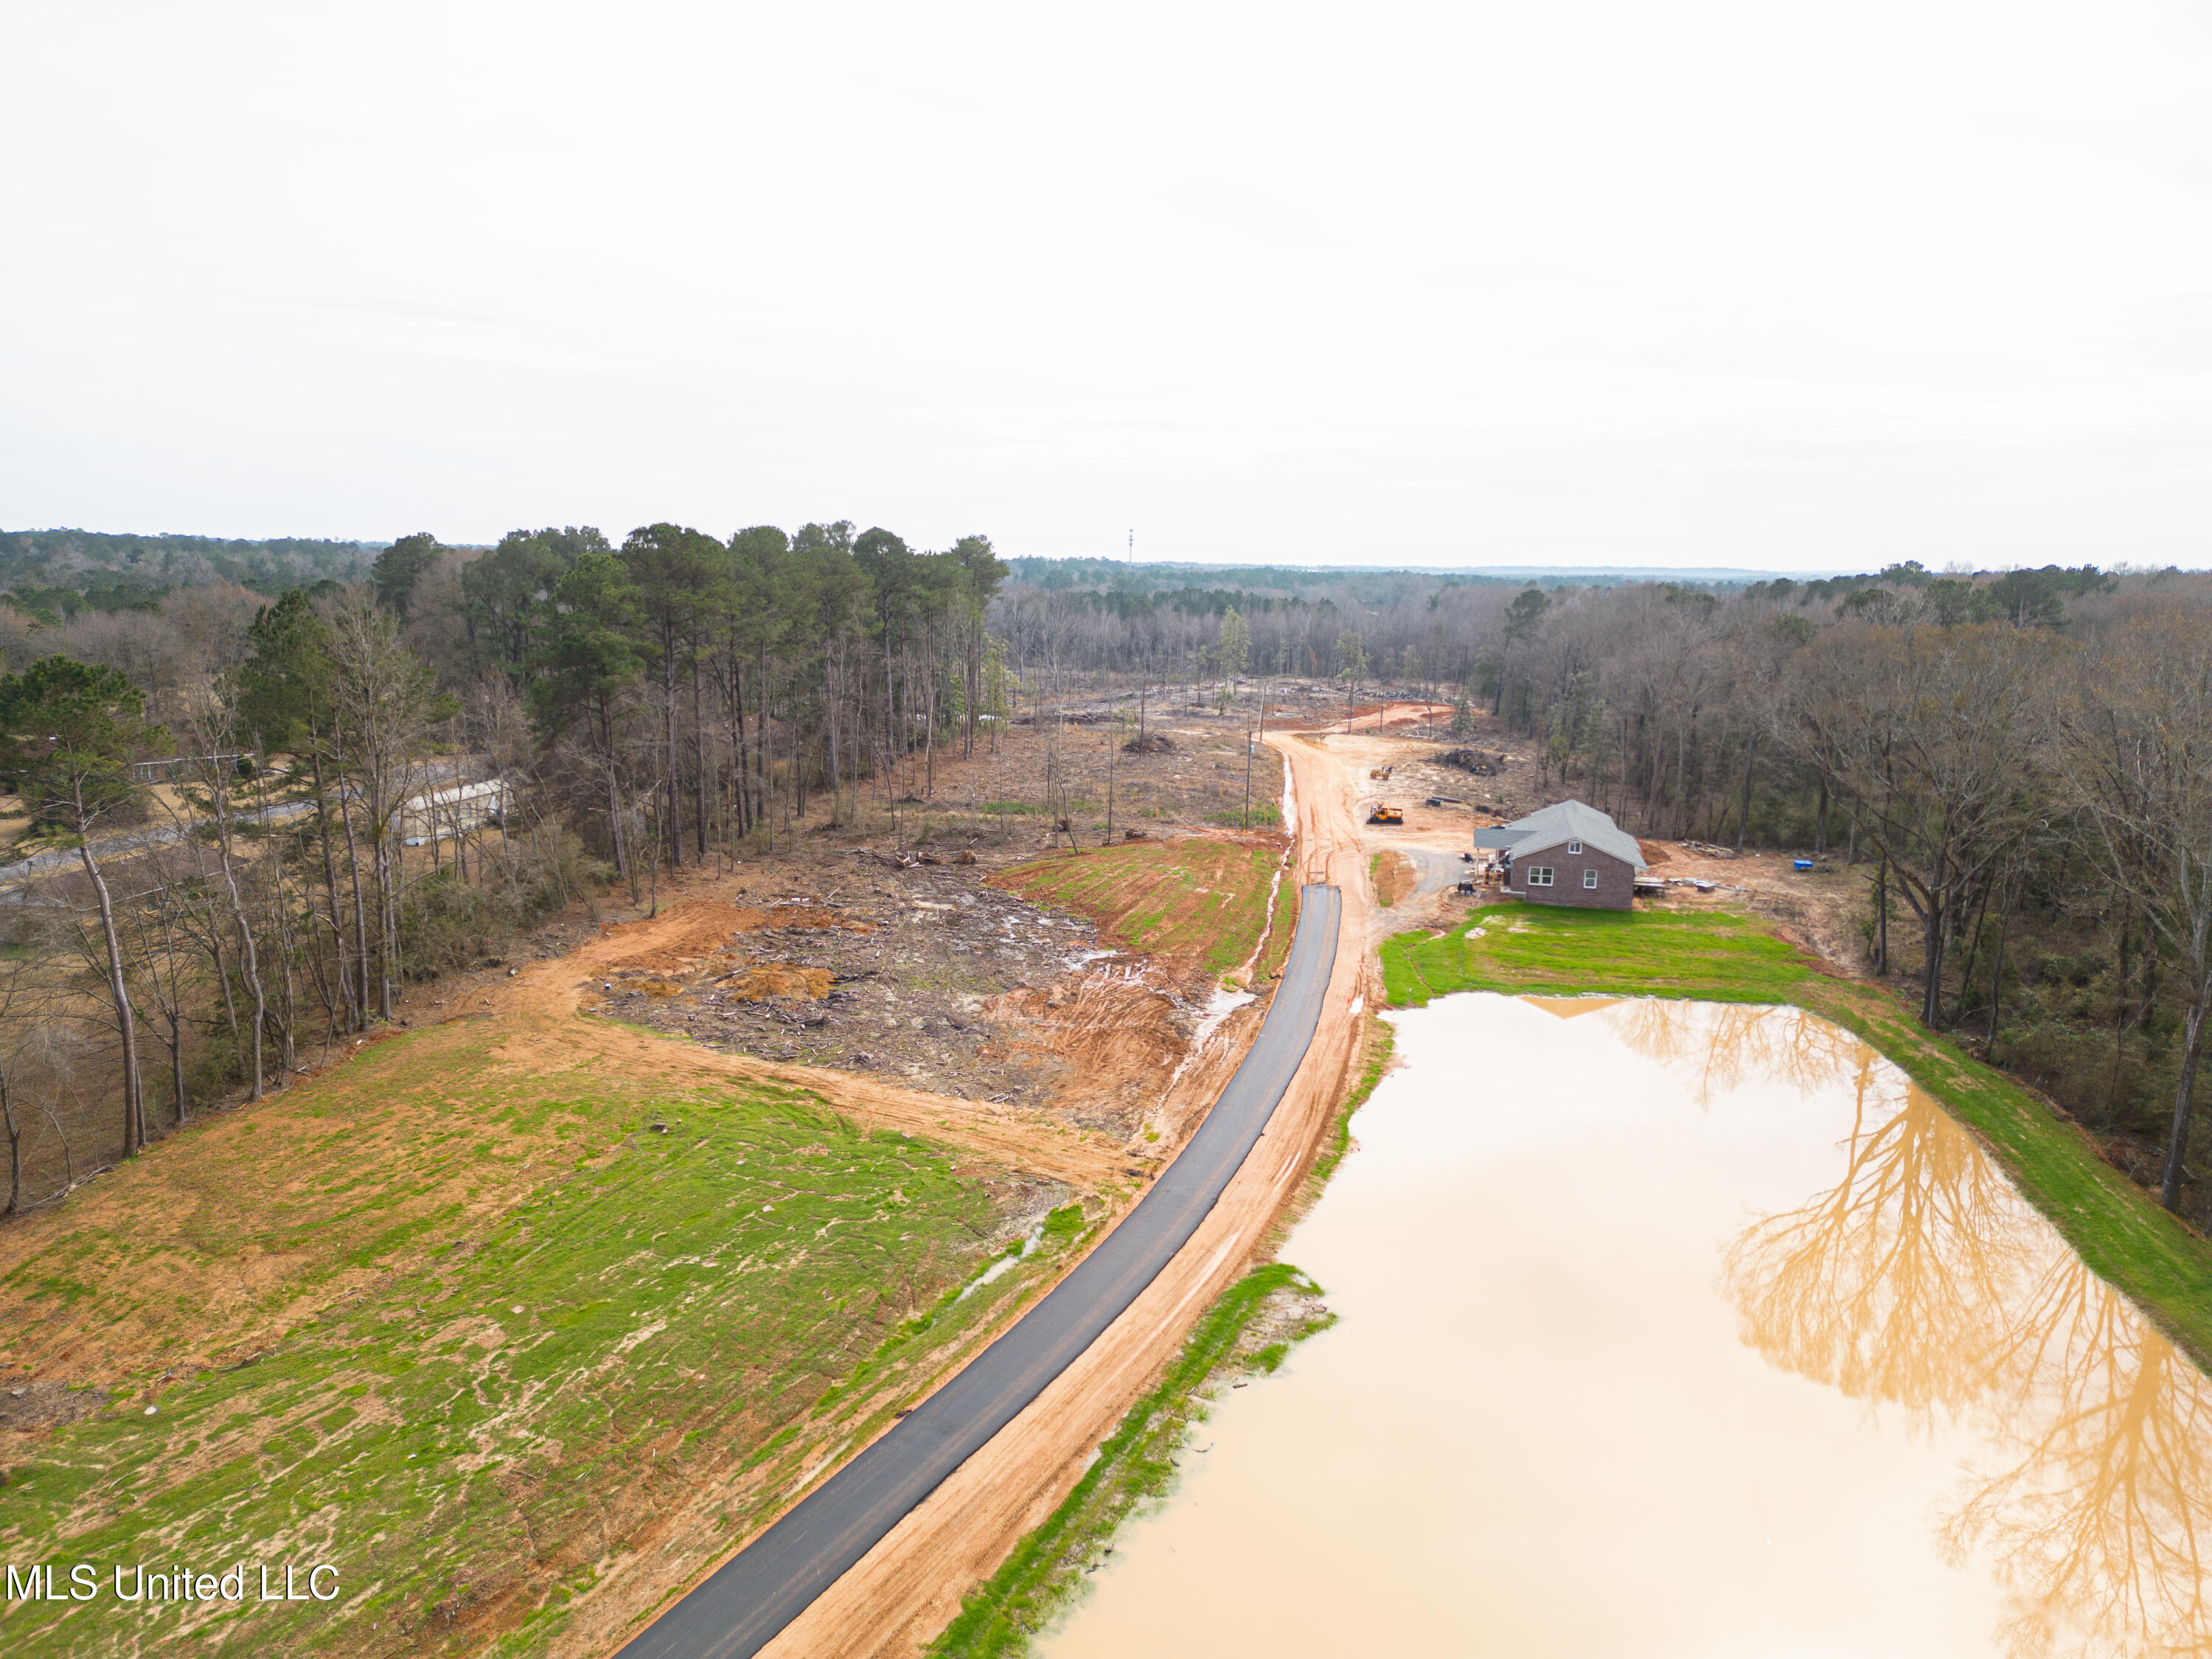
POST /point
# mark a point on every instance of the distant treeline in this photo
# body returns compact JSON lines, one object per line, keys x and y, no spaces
{"x":53,"y":575}
{"x":1109,"y":575}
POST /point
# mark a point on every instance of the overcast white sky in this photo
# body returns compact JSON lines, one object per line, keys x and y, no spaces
{"x":1765,"y":284}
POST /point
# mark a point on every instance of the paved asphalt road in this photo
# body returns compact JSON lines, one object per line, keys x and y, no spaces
{"x":117,"y":846}
{"x":737,"y":1610}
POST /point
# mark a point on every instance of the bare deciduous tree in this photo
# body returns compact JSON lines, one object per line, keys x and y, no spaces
{"x":1930,"y":734}
{"x":2138,"y":761}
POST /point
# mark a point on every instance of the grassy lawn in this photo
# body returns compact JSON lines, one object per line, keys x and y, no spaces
{"x":479,"y":1336}
{"x":1716,"y":956}
{"x":1188,"y":898}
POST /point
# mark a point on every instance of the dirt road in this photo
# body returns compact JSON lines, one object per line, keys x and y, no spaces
{"x":908,"y":1586}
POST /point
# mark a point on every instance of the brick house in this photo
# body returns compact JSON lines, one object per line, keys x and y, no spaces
{"x":1568,"y":853}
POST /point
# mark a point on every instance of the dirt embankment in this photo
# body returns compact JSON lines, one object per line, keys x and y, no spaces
{"x":1395,"y":878}
{"x":1185,"y":925}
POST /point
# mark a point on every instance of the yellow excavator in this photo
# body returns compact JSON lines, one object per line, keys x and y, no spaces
{"x":1386,"y":815}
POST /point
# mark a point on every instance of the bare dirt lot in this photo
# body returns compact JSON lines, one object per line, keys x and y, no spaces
{"x":935,"y":979}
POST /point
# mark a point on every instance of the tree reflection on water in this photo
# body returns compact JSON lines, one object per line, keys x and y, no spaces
{"x":1922,"y":1281}
{"x":2093,"y":1500}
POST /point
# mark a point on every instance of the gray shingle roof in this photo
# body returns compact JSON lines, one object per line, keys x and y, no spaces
{"x":1554,"y":825}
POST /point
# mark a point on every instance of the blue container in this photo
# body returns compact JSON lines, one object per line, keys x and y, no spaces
{"x":1800,"y":864}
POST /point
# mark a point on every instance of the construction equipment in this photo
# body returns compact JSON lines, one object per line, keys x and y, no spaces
{"x":1386,"y":815}
{"x":1381,"y":773}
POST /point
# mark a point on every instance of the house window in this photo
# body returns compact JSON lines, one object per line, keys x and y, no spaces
{"x":1541,"y":875}
{"x":1589,"y":879}
{"x":1574,"y":847}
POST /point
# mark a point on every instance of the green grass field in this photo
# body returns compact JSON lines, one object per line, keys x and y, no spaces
{"x":1717,"y":956}
{"x":526,"y":1331}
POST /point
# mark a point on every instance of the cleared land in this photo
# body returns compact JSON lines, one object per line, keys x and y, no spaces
{"x":1031,"y":983}
{"x":2158,"y":1260}
{"x":318,"y":1296}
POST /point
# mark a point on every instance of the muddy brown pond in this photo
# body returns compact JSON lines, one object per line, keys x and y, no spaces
{"x":1679,"y":1329}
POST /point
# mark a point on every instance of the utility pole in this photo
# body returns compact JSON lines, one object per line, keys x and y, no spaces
{"x":1250,"y":745}
{"x":1113,"y":742}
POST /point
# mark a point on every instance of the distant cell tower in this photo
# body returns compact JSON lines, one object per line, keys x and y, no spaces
{"x":1132,"y":544}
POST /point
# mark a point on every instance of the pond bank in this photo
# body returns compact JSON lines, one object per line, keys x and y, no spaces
{"x":2161,"y":1263}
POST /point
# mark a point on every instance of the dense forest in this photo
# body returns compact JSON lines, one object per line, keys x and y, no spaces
{"x":257,"y":800}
